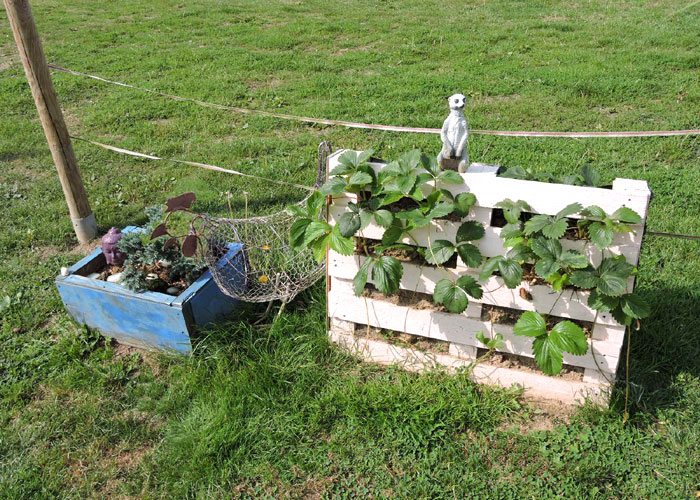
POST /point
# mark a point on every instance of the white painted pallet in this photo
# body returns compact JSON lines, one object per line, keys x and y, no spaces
{"x":599,"y":365}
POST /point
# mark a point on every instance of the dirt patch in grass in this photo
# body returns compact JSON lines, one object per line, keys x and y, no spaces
{"x":145,"y":356}
{"x":544,"y":415}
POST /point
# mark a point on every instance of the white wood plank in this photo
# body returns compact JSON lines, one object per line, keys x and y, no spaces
{"x":542,"y":386}
{"x":462,"y":351}
{"x":571,"y":304}
{"x":453,"y":328}
{"x":595,"y":376}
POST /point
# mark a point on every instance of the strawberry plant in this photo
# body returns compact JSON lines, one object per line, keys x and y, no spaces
{"x":409,"y":194}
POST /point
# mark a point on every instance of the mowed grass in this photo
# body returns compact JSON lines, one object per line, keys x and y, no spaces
{"x":276,"y":412}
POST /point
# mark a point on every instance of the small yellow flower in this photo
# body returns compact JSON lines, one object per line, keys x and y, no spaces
{"x":263,"y":279}
{"x":266,"y":247}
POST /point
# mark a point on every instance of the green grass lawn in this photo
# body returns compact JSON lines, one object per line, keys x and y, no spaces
{"x":275,"y":412}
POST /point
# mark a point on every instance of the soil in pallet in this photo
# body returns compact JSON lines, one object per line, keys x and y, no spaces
{"x":414,"y":300}
{"x":364,"y":246}
{"x":529,"y":365}
{"x":507,"y":316}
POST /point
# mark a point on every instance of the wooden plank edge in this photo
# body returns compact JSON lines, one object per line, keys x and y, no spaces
{"x":542,"y":386}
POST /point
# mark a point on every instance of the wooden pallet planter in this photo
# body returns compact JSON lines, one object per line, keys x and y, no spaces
{"x":351,"y":315}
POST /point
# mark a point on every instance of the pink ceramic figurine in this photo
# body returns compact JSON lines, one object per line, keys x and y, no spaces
{"x":109,"y":247}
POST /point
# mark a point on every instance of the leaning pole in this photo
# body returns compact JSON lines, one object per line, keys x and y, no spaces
{"x":32,"y":54}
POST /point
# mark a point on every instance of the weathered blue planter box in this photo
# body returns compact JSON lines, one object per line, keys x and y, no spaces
{"x":145,"y":319}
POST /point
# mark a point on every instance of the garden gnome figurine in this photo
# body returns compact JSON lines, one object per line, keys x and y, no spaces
{"x":109,"y":247}
{"x":454,"y":135}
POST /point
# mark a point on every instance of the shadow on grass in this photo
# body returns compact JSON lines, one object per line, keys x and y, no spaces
{"x":666,"y":347}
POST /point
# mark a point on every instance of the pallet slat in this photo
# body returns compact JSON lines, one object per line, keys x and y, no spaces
{"x":537,"y":385}
{"x":455,"y":328}
{"x":422,"y":280}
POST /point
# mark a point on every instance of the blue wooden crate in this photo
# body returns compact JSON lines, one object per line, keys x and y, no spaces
{"x":148,"y":319}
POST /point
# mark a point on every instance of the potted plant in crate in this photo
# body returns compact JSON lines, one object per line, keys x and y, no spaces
{"x":145,"y":288}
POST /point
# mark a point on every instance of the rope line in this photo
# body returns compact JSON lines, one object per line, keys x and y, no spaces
{"x":391,"y":128}
{"x":191,"y":163}
{"x":301,"y":186}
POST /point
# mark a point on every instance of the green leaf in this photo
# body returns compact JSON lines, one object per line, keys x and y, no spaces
{"x":314,"y":204}
{"x":335,"y":185}
{"x":410,"y":159}
{"x":601,"y":235}
{"x":415,"y":217}
{"x":314,"y":230}
{"x":510,"y":231}
{"x":610,"y":284}
{"x":591,"y":176}
{"x":558,"y":281}
{"x":297,"y":232}
{"x":511,"y":271}
{"x":393,"y":234}
{"x":349,"y":223}
{"x":602,"y":303}
{"x":391,"y":197}
{"x":341,"y":244}
{"x":545,"y":248}
{"x":585,"y":278}
{"x":463,"y":203}
{"x":360,"y":179}
{"x":318,"y":247}
{"x":451,"y":296}
{"x":520,"y":252}
{"x":621,"y":317}
{"x":386,"y":274}
{"x":365,"y":218}
{"x":469,"y":254}
{"x":384,"y":218}
{"x":360,"y":279}
{"x":450,"y":177}
{"x":429,"y":163}
{"x":536,"y":224}
{"x":441,"y":210}
{"x":569,"y":337}
{"x":349,"y":159}
{"x":470,"y":230}
{"x":342,"y":169}
{"x":546,"y":267}
{"x":363,"y":156}
{"x":634,"y":306}
{"x":547,"y":355}
{"x":573,"y":259}
{"x":569,"y":210}
{"x":471,"y":286}
{"x":439,"y":251}
{"x":530,"y":324}
{"x":296,"y":211}
{"x":490,"y":266}
{"x":405,"y":183}
{"x":625,"y":214}
{"x":594,"y":211}
{"x":555,"y":229}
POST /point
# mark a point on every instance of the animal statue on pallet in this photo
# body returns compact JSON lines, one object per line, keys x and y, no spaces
{"x":454,"y":135}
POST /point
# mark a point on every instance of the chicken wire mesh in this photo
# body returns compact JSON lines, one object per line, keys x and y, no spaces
{"x":267,"y":268}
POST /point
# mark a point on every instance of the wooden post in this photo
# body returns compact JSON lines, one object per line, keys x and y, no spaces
{"x":37,"y":71}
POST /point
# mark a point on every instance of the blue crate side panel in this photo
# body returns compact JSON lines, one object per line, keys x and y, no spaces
{"x":203,"y":302}
{"x":142,"y":319}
